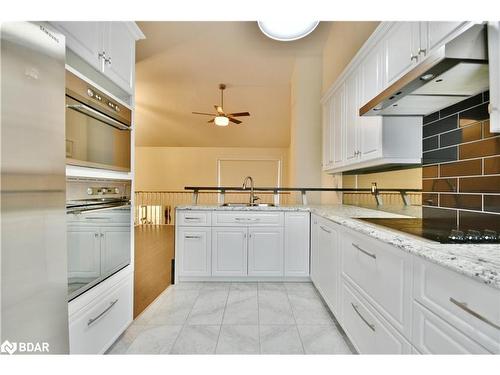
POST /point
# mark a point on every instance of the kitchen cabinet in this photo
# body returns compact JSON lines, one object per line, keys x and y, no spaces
{"x":297,"y":233}
{"x":325,"y":261}
{"x":351,"y":117}
{"x":402,"y":49}
{"x":229,"y":254}
{"x":435,"y":34}
{"x":338,"y":125}
{"x":84,"y":253}
{"x":108,"y":47}
{"x":193,"y":251}
{"x":265,"y":251}
{"x":494,"y":63}
{"x":327,"y":138}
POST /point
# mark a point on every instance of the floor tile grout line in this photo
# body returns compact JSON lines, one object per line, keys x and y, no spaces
{"x":222,"y":320}
{"x":258,"y":318}
{"x":184,"y":324}
{"x":295,"y":320}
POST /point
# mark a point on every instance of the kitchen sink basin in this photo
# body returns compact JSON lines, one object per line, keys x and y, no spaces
{"x":248,"y":205}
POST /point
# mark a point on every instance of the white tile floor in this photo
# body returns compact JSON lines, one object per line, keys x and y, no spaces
{"x":235,"y":318}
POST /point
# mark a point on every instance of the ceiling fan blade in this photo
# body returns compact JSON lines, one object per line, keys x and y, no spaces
{"x":219,"y":110}
{"x":235,"y":120}
{"x":212,"y":120}
{"x":203,"y":113}
{"x":239,"y":114}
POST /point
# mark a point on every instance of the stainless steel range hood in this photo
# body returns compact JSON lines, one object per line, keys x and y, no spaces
{"x":454,"y":72}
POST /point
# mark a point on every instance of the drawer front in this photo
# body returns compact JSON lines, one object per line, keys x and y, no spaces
{"x":243,"y":218}
{"x":94,"y":328}
{"x":432,"y":335}
{"x":383,"y":273}
{"x":366,"y":329}
{"x":470,"y":306}
{"x":194,"y":218}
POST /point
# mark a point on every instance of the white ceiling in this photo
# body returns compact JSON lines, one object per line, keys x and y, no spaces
{"x":180,"y":64}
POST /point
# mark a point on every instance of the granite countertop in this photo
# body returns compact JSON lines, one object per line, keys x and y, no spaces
{"x":479,"y":261}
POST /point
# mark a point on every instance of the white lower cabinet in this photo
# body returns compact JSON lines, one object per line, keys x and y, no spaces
{"x":297,"y":243}
{"x":98,"y":317}
{"x":265,"y":251}
{"x":366,"y":328}
{"x":433,"y":335}
{"x":329,"y":264}
{"x":193,"y":253}
{"x":229,"y":254}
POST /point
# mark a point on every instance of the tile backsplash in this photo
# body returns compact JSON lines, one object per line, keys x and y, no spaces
{"x":461,"y":172}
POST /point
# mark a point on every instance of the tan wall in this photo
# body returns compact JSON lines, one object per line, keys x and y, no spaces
{"x":305,"y":126}
{"x":172,"y":168}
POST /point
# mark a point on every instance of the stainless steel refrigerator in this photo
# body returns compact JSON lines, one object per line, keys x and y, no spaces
{"x":33,"y":223}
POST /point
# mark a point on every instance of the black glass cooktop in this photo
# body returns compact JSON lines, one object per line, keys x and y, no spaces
{"x":417,"y":227}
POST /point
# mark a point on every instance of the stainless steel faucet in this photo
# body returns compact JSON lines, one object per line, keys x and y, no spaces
{"x":253,"y":198}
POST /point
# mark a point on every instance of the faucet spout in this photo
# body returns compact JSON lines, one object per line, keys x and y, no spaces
{"x":245,"y":186}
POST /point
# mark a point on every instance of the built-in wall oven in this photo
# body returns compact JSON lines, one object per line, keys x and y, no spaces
{"x":97,"y":127}
{"x":98,"y":231}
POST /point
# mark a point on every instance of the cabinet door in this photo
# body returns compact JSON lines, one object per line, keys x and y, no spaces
{"x":297,"y":243}
{"x":351,"y":118}
{"x":327,"y":135}
{"x":265,"y":251}
{"x":338,"y":126}
{"x":193,"y":251}
{"x":402,"y":44}
{"x":315,"y":250}
{"x":229,"y":251}
{"x":85,"y":39}
{"x":328,"y":265}
{"x":115,"y":248}
{"x":84,"y":253}
{"x":435,"y":34}
{"x":494,"y":62}
{"x":120,"y":49}
{"x":370,"y":85}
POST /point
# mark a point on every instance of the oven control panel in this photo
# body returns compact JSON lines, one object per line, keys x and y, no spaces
{"x":103,"y":190}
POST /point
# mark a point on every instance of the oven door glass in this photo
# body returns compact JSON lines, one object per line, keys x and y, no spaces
{"x":93,"y":143}
{"x":98,"y":246}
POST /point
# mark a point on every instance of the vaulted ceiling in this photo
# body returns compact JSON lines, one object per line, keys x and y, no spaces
{"x":180,"y":65}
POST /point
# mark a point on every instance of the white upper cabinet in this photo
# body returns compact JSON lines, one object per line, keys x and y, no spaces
{"x":119,"y":45}
{"x":494,"y":62}
{"x":108,"y":47}
{"x":337,"y":127}
{"x":351,"y":117}
{"x":85,"y":39}
{"x":402,"y":45}
{"x":327,"y":136}
{"x":435,"y":34}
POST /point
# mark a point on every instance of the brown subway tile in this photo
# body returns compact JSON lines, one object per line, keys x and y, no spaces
{"x":486,"y":147}
{"x":492,"y":165}
{"x":466,"y":201}
{"x":461,"y":168}
{"x":486,"y":184}
{"x":463,"y":105}
{"x":440,"y":126}
{"x":486,"y":130}
{"x":429,"y":199}
{"x":430,"y":171}
{"x":474,"y":114}
{"x":467,"y":134}
{"x":439,"y":218}
{"x":478,"y":221}
{"x":492,"y":203}
{"x":441,"y":155}
{"x":440,"y":185}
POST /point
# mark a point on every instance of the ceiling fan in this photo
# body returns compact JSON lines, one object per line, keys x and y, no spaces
{"x":222,"y":118}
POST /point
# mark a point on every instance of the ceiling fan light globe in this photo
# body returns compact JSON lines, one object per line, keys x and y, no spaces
{"x":287,"y":29}
{"x":221,"y":121}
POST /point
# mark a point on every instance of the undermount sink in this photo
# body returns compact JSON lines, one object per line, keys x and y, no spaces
{"x":248,"y":205}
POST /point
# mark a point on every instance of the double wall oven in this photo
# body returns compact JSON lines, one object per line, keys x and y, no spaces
{"x":98,"y":231}
{"x":97,"y":127}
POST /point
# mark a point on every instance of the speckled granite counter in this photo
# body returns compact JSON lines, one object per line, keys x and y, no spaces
{"x":479,"y":261}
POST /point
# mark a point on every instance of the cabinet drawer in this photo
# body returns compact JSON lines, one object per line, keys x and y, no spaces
{"x":366,"y":329}
{"x":248,"y":218}
{"x":432,"y":335}
{"x":194,"y":218}
{"x":470,"y":306}
{"x":383,"y":273}
{"x":96,"y":326}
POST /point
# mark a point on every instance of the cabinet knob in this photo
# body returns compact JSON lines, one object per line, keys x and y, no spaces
{"x":413,"y":57}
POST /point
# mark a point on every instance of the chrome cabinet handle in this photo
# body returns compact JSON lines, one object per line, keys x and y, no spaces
{"x":422,"y":51}
{"x":370,"y":325}
{"x":364,"y":251}
{"x":325,"y":230}
{"x":96,"y":235}
{"x":92,"y":320}
{"x":463,"y":306}
{"x":107,"y":60}
{"x":246,"y":219}
{"x":192,"y":218}
{"x":413,"y":57}
{"x":85,"y":109}
{"x":193,"y":237}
